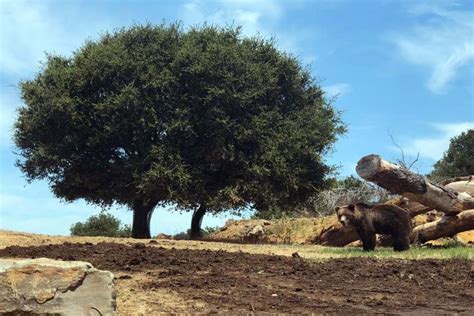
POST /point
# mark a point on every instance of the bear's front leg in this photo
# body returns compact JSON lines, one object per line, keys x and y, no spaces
{"x":368,"y":241}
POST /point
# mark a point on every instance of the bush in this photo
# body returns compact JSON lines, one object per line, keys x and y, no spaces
{"x":103,"y":224}
{"x":345,"y":191}
{"x":209,"y":230}
{"x":182,"y":235}
{"x":204,"y":233}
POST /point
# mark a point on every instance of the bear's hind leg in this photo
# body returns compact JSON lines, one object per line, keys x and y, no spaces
{"x":401,"y":243}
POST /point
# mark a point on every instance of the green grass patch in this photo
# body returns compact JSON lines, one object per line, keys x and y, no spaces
{"x":415,"y":253}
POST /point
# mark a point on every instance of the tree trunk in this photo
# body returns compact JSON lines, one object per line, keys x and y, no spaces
{"x":412,"y":186}
{"x":445,"y":227}
{"x":196,"y":221}
{"x":141,"y":219}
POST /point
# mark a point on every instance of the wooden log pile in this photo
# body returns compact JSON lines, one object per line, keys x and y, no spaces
{"x":418,"y":195}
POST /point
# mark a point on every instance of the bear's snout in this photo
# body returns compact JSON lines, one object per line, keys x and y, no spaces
{"x":344,"y":220}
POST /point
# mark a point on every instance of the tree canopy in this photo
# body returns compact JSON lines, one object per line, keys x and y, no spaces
{"x":458,"y":160}
{"x":203,"y":118}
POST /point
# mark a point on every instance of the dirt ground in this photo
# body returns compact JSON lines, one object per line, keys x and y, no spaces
{"x":152,"y":279}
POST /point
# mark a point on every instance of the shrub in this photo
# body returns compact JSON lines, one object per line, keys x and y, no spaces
{"x":204,"y":232}
{"x":102,"y":224}
{"x":345,"y":191}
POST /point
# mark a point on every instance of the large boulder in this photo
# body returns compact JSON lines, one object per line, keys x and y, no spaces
{"x":255,"y":235}
{"x":46,"y":286}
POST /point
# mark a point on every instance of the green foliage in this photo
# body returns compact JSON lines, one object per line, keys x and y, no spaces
{"x":204,"y":232}
{"x":209,"y":230}
{"x":182,"y":235}
{"x":103,"y":224}
{"x":156,"y":114}
{"x":349,"y":183}
{"x":458,"y":160}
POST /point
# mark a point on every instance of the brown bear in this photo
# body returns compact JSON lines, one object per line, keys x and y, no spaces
{"x":385,"y":219}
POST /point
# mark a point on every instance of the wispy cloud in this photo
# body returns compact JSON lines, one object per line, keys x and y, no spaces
{"x":261,"y":17}
{"x":28,"y":29}
{"x":8,"y":104}
{"x":337,"y":89}
{"x":443,"y":43}
{"x":434,"y":147}
{"x":246,"y":13}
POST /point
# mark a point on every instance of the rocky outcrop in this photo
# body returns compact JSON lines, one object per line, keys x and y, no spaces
{"x":256,"y":234}
{"x":46,"y":286}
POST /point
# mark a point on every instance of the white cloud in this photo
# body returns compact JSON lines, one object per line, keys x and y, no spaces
{"x":246,"y":13}
{"x":8,"y":105}
{"x":443,"y":43}
{"x":434,"y":147}
{"x":28,"y":29}
{"x":25,"y":32}
{"x":337,"y":89}
{"x":255,"y":17}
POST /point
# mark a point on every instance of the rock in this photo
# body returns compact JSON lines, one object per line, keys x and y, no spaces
{"x":255,"y":234}
{"x":163,"y":236}
{"x":46,"y":286}
{"x":230,"y":222}
{"x":431,"y":216}
{"x":139,"y":246}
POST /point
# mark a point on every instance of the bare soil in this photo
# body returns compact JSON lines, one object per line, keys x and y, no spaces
{"x":152,"y":279}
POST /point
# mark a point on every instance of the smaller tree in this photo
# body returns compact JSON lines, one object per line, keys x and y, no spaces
{"x":102,"y":224}
{"x":458,"y":160}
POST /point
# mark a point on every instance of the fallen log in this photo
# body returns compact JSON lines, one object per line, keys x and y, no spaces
{"x":413,"y":208}
{"x":336,"y":236}
{"x":456,"y":179}
{"x":339,"y":236}
{"x":461,"y":186}
{"x":445,"y":227}
{"x":412,"y":186}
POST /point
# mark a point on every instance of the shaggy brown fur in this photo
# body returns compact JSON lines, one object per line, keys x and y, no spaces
{"x":369,"y":220}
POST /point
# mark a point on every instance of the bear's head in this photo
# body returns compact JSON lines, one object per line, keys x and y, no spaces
{"x":346,"y":214}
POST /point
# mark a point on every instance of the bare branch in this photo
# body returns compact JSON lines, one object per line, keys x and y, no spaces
{"x":403,"y":163}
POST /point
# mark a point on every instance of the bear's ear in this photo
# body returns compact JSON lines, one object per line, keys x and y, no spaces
{"x":337,"y":208}
{"x":351,"y":207}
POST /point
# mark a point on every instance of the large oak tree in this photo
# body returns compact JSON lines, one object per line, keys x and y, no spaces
{"x":204,"y":118}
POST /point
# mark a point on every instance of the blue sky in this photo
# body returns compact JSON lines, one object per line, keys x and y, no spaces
{"x":404,"y":68}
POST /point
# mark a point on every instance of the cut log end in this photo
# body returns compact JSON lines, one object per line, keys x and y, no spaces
{"x":369,"y":166}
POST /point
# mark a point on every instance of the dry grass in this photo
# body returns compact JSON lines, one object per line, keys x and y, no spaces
{"x":8,"y":238}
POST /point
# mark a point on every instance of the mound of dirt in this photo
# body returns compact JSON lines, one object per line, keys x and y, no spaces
{"x":301,"y":231}
{"x":204,"y":281}
{"x":280,"y":231}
